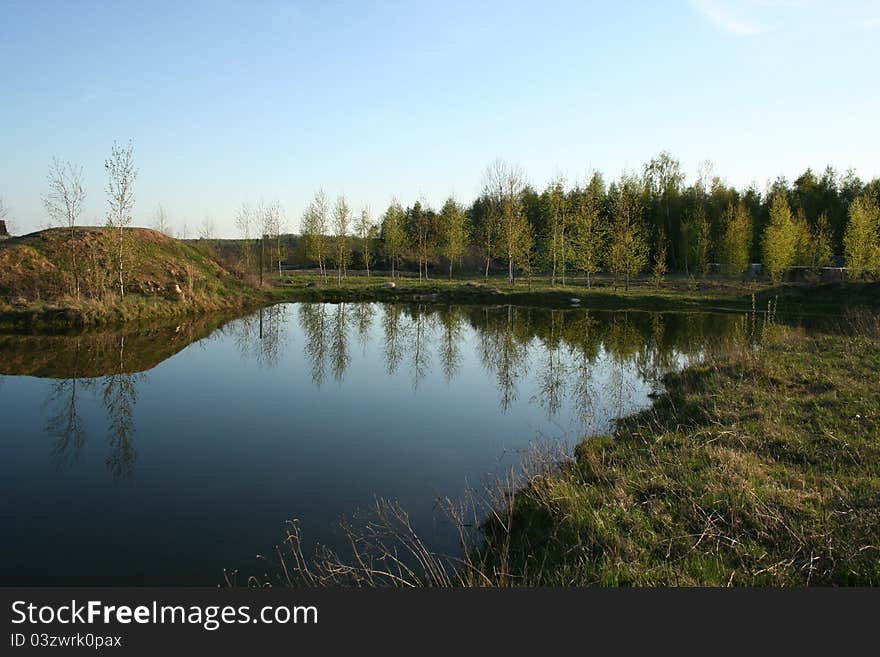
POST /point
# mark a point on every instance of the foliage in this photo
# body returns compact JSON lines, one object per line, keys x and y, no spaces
{"x":629,"y":248}
{"x":862,"y":239}
{"x":736,"y":244}
{"x":780,"y":239}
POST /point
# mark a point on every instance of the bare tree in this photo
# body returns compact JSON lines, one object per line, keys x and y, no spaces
{"x":121,"y":176}
{"x":161,"y":222}
{"x":64,"y":204}
{"x":244,"y":221}
{"x":4,"y":211}
{"x":208,"y":230}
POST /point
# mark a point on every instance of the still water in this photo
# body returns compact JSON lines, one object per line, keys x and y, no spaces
{"x":163,"y":456}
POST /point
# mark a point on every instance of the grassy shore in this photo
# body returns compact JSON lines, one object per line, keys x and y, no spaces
{"x":761,"y":467}
{"x":675,"y":293}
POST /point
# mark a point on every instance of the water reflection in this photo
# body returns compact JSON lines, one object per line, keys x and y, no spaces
{"x":211,"y":432}
{"x":592,"y":362}
{"x":261,"y":337}
{"x":109,"y":365}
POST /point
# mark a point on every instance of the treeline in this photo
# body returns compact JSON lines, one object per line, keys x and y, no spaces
{"x":646,"y":221}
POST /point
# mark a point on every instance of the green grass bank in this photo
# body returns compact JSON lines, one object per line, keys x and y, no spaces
{"x":759,"y":467}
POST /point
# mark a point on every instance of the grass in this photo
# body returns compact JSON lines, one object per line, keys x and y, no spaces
{"x":676,"y":293}
{"x":758,"y":467}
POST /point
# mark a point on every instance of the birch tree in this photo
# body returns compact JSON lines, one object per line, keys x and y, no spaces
{"x":504,"y":185}
{"x":64,"y":204}
{"x":629,"y":249}
{"x":588,"y":230}
{"x":780,"y":238}
{"x":822,"y":240}
{"x":161,"y":222}
{"x":121,"y":175}
{"x":394,"y":235}
{"x":244,"y":222}
{"x":559,"y":236}
{"x":736,"y":244}
{"x":315,"y":230}
{"x":341,"y":219}
{"x":366,"y":231}
{"x":454,"y":232}
{"x":861,"y":242}
{"x":270,"y":228}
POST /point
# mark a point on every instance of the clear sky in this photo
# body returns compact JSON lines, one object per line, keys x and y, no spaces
{"x":231,"y":101}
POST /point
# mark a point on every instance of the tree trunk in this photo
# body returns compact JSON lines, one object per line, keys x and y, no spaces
{"x":121,"y":266}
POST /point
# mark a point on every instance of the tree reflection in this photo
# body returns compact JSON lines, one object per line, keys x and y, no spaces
{"x":393,"y":336}
{"x":263,"y":336}
{"x":595,"y":364}
{"x":119,"y":395}
{"x":451,"y":324}
{"x":503,"y":352}
{"x":64,"y":424}
{"x":313,"y":321}
{"x":552,"y":375}
{"x":419,"y":334}
{"x":364,"y":314}
{"x":583,"y":345}
{"x":339,"y":354}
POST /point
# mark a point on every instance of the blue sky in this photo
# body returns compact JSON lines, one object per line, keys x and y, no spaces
{"x":232,"y":101}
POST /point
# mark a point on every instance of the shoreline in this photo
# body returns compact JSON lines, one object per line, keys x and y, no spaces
{"x":793,"y":299}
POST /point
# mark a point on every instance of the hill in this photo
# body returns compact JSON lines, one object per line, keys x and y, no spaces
{"x":55,"y":277}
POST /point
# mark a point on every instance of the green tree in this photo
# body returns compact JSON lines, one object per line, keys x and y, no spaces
{"x":589,"y":231}
{"x":454,"y":232}
{"x":803,"y":240}
{"x":663,"y":179}
{"x":822,"y":240}
{"x":861,"y":241}
{"x":315,"y":230}
{"x":629,"y":249}
{"x":696,"y":232}
{"x":366,"y":231}
{"x":394,"y":235}
{"x":780,"y":238}
{"x":660,"y":264}
{"x":736,"y":243}
{"x":504,"y":185}
{"x":341,"y":218}
{"x":559,"y":236}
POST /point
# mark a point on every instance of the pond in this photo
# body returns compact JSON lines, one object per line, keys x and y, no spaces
{"x":163,"y":456}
